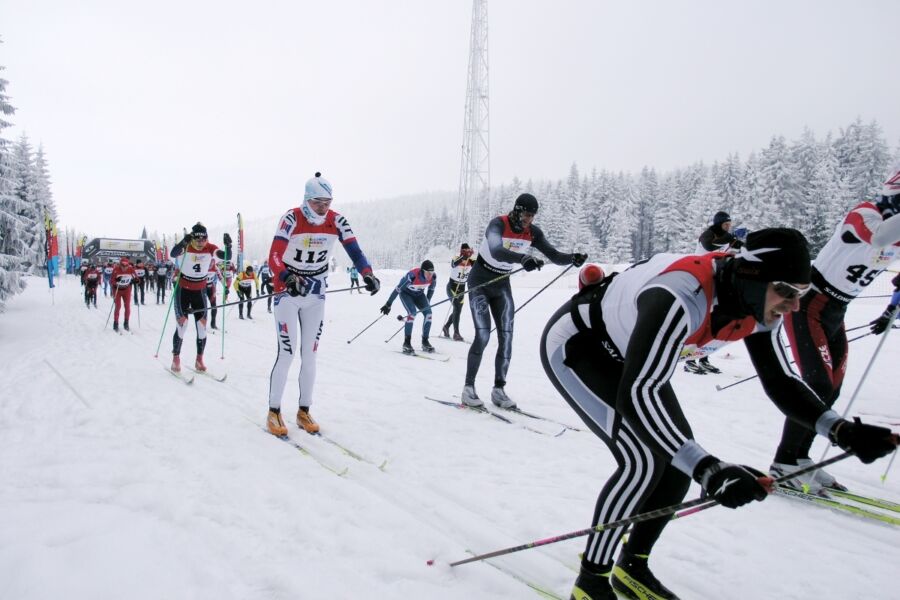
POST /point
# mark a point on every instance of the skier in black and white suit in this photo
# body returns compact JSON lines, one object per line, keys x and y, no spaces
{"x":610,"y":352}
{"x":507,"y":241}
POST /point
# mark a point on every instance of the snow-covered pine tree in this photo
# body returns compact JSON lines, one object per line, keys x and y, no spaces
{"x":10,"y":225}
{"x":647,"y":204}
{"x":620,"y":238}
{"x":30,"y":211}
{"x":825,"y":198}
{"x":779,"y":193}
{"x":748,"y":204}
{"x":728,"y":181}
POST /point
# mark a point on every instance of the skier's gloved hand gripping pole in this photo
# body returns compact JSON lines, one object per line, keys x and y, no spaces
{"x":720,"y":388}
{"x":387,"y":309}
{"x":722,"y":481}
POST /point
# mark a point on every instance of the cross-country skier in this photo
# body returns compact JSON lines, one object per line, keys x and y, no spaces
{"x":162,"y":279}
{"x":299,"y":260}
{"x":864,"y":243}
{"x":122,"y":276}
{"x":243,"y":285}
{"x":92,"y":278}
{"x":880,"y":325}
{"x":354,"y":279}
{"x":265,"y":279}
{"x":151,"y":275}
{"x":107,"y":274}
{"x":191,"y":293}
{"x":611,"y":351}
{"x":140,"y":275}
{"x":415,"y":290}
{"x":456,"y":288}
{"x":212,"y":283}
{"x":507,"y":241}
{"x":715,"y":238}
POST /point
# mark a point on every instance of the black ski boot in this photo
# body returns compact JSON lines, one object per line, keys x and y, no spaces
{"x":691,"y":366}
{"x":592,"y":586}
{"x":445,"y":332}
{"x":115,"y":325}
{"x":631,"y":578}
{"x":125,"y":325}
{"x":407,"y":346}
{"x":709,"y":367}
{"x":426,"y":346}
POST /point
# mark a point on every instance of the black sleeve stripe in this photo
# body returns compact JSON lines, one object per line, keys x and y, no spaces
{"x":656,"y":370}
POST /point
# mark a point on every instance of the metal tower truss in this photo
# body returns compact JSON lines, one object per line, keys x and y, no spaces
{"x":475,"y":171}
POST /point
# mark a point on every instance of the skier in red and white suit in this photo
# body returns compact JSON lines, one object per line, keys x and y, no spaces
{"x":191,"y":290}
{"x":299,"y":258}
{"x":122,"y":276}
{"x":864,"y":243}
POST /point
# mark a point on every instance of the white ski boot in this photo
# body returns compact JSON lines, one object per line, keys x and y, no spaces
{"x":470,"y":398}
{"x":500,"y":399}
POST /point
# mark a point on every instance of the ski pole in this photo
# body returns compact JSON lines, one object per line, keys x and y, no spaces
{"x":564,"y":271}
{"x":868,"y":367}
{"x":890,"y":464}
{"x":399,"y":318}
{"x":138,"y":305}
{"x":480,"y":285}
{"x":169,"y":310}
{"x":700,"y":504}
{"x":263,"y":297}
{"x":115,"y":291}
{"x":719,"y":388}
{"x":366,"y":327}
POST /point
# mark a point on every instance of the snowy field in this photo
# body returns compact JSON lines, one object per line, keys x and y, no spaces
{"x":119,"y":481}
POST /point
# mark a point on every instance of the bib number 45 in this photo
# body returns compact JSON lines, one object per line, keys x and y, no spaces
{"x":857,"y":274}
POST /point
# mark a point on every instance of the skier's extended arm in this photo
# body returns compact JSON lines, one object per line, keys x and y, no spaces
{"x":539,"y":242}
{"x":796,"y":400}
{"x":431,"y":288}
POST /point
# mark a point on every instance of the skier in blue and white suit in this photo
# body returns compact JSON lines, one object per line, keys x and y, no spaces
{"x":415,"y":291}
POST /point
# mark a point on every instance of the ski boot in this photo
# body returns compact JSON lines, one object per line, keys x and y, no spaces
{"x":500,"y":399}
{"x":305,"y":420}
{"x":198,"y":364}
{"x":823,"y":477}
{"x":176,"y":363}
{"x":407,"y":346}
{"x":457,"y":337}
{"x":631,"y":578}
{"x":241,"y":316}
{"x":708,"y":367}
{"x":115,"y":325}
{"x":125,"y":325}
{"x":426,"y":346}
{"x":691,"y":366}
{"x":470,"y":398}
{"x":274,"y":423}
{"x":445,"y":332}
{"x":591,"y":585}
{"x":803,"y":483}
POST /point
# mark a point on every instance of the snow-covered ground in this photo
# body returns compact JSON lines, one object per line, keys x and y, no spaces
{"x":119,"y":481}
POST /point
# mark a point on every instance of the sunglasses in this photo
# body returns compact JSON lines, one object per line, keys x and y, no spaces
{"x":788,"y":291}
{"x":199,"y":236}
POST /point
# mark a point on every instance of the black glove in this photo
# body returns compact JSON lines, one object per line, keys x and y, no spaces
{"x":880,"y":325}
{"x":386,"y":309}
{"x":372,"y":284}
{"x":295,"y":284}
{"x":867,"y":442}
{"x":530,"y":263}
{"x":731,"y":485}
{"x":578,"y":259}
{"x":185,"y":240}
{"x":227,"y":239}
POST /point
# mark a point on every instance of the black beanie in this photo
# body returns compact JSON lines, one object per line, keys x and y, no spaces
{"x":526,"y":203}
{"x":198,"y":228}
{"x":776,"y":254}
{"x":427,"y":265}
{"x":464,"y":246}
{"x":721,"y":217}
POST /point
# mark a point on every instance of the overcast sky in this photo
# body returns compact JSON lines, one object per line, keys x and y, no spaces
{"x":162,"y":113}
